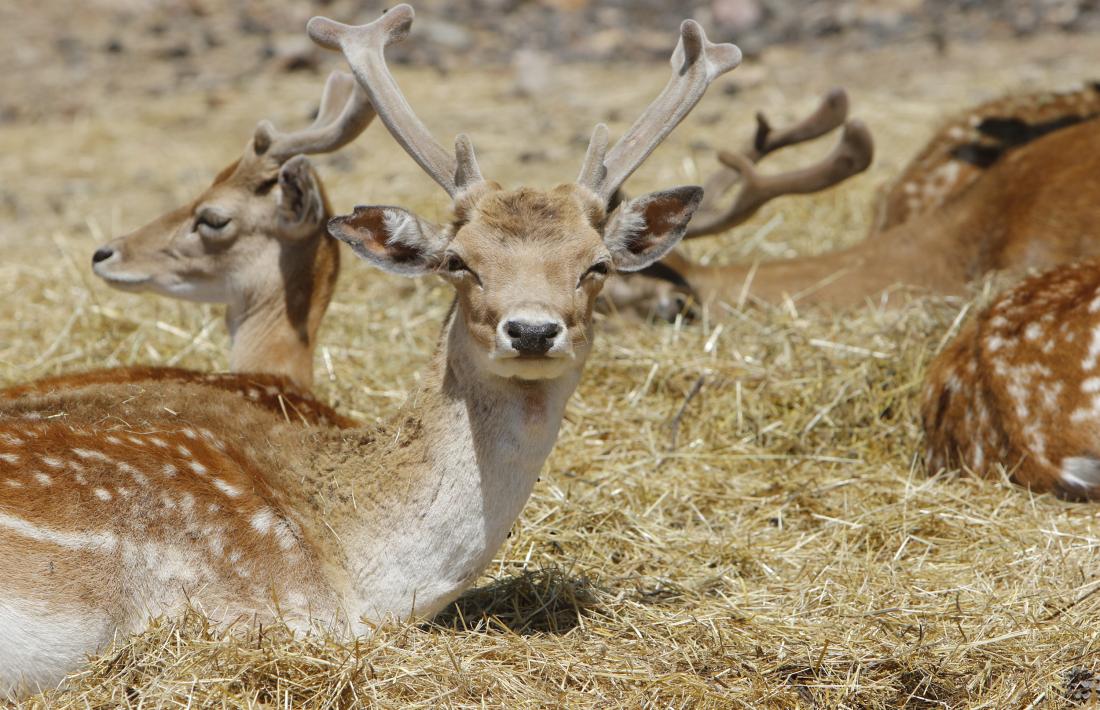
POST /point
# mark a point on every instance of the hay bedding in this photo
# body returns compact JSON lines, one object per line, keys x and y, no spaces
{"x":734,"y":515}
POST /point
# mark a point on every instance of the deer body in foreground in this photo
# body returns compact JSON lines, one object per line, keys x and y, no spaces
{"x":255,"y":240}
{"x":1033,"y":208}
{"x":1019,"y":387}
{"x":178,"y":494}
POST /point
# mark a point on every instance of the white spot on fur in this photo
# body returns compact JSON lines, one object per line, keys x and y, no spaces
{"x":89,"y":455}
{"x":43,"y":478}
{"x":9,"y":458}
{"x":262,"y":520}
{"x":226,"y":488}
{"x":103,"y":494}
{"x":74,"y":541}
{"x":198,"y":468}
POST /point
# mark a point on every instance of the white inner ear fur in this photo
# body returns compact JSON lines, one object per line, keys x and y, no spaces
{"x":627,"y":222}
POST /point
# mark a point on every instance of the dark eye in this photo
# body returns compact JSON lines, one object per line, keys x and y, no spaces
{"x":600,"y":268}
{"x":211,"y":220}
{"x":454,"y":264}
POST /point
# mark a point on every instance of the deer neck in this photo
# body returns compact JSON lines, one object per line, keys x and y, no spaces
{"x":276,"y":311}
{"x":440,"y":495}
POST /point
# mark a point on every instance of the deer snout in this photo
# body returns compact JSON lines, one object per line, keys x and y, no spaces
{"x":532,"y":332}
{"x":532,"y":338}
{"x":103,"y":254}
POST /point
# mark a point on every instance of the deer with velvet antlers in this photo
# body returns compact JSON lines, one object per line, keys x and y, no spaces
{"x":256,"y":241}
{"x":169,"y":496}
{"x":998,"y":189}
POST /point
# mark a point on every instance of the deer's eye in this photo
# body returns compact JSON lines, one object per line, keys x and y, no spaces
{"x":209,"y":223}
{"x":454,"y":266}
{"x":597,"y":270}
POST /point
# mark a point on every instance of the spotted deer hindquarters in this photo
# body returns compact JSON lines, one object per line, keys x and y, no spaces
{"x":1019,"y":388}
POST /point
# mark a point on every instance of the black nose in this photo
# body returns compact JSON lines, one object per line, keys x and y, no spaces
{"x":102,"y":254}
{"x":531,"y":338}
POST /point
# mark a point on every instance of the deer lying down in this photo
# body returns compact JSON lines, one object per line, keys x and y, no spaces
{"x":663,"y":289}
{"x":973,"y":141}
{"x":1019,"y":387}
{"x":143,"y":502}
{"x":1031,"y":208}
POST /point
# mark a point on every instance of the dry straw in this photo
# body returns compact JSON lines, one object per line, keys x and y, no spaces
{"x":734,"y":515}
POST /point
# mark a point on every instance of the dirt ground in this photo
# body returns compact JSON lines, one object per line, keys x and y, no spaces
{"x":770,"y":541}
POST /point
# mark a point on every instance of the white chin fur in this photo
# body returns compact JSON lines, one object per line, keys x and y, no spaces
{"x":525,"y":369}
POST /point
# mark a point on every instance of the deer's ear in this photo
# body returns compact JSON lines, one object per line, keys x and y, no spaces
{"x":391,"y":238}
{"x":644,"y":229}
{"x":301,"y":203}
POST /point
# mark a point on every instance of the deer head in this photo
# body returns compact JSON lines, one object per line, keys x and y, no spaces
{"x":269,"y":196}
{"x":527,"y":264}
{"x":254,"y":240}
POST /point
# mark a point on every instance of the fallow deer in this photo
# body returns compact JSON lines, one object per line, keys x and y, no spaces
{"x":255,"y":240}
{"x":1031,"y":209}
{"x":135,"y":504}
{"x":1019,"y":387}
{"x":974,"y":140}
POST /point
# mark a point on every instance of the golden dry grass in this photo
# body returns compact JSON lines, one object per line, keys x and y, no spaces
{"x":734,"y":515}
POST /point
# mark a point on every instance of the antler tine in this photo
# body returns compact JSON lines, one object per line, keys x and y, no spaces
{"x":345,"y":112}
{"x":851,"y":156}
{"x":696,"y":62}
{"x":829,"y":114}
{"x":364,"y":48}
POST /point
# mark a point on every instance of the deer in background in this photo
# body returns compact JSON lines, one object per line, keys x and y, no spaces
{"x":973,"y":141}
{"x":1029,"y":207}
{"x":144,"y":502}
{"x":256,"y":241}
{"x":665,"y":287}
{"x":1019,"y":387}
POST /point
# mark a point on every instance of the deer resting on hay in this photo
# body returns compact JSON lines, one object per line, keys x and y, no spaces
{"x":143,"y":502}
{"x":256,"y":241}
{"x":1000,"y":189}
{"x":1019,"y":387}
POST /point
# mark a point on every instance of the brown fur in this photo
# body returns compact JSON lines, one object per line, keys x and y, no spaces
{"x":940,"y":172}
{"x":274,"y":393}
{"x":1031,"y":210}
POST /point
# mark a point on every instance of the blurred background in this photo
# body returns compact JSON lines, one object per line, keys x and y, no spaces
{"x":162,"y":45}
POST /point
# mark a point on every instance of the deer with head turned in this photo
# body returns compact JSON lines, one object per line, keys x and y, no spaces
{"x":1028,"y":208}
{"x":171,"y":496}
{"x":1018,"y":390}
{"x":255,"y":240}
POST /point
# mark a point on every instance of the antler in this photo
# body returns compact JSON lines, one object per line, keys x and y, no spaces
{"x":364,"y":48}
{"x":829,"y":114}
{"x":696,"y":62}
{"x":849,"y":157}
{"x":345,"y":112}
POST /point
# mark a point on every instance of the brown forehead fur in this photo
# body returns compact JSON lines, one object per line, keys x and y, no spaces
{"x":532,"y":214}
